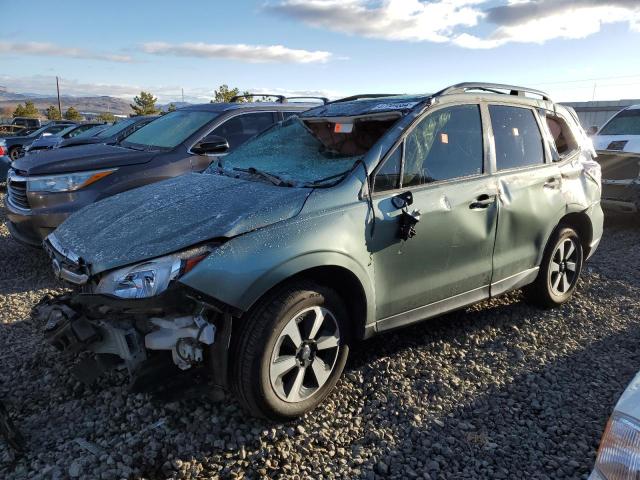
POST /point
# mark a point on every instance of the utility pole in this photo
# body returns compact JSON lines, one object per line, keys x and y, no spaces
{"x":59,"y":104}
{"x":593,"y":98}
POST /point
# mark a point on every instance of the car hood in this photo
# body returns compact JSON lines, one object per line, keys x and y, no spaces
{"x":85,"y":157}
{"x":620,"y":143}
{"x":168,"y":216}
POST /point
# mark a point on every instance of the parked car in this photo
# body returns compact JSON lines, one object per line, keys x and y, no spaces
{"x":26,"y":122}
{"x":618,"y":147}
{"x":51,"y":141}
{"x":619,"y":453}
{"x":15,"y":145}
{"x":357,"y":217}
{"x":45,"y":189}
{"x":5,"y":164}
{"x":111,"y":135}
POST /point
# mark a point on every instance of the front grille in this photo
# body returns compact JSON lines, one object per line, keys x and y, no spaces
{"x":619,"y":166}
{"x":17,"y":192}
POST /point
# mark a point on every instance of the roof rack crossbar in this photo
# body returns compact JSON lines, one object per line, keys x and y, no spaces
{"x":280,"y":98}
{"x":324,"y":100}
{"x":493,"y":88}
{"x":367,"y":95}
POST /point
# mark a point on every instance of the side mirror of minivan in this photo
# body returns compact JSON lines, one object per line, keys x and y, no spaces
{"x":211,"y":145}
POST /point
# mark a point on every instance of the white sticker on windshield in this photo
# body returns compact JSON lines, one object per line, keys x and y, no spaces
{"x":394,"y":106}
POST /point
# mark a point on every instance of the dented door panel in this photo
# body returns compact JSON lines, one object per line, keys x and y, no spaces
{"x":450,"y":254}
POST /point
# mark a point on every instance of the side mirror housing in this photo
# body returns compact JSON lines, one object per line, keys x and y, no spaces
{"x":211,"y":145}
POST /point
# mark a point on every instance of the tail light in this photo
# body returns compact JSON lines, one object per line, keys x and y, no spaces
{"x":3,"y":150}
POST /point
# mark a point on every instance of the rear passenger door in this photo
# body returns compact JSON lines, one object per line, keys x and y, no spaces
{"x":530,"y":197}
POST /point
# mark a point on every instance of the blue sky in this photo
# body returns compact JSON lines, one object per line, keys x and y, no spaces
{"x":332,"y":47}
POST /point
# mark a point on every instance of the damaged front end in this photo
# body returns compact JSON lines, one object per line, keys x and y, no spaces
{"x":620,"y":181}
{"x":137,"y":317}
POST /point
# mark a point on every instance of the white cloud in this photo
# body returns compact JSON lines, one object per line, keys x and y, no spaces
{"x":569,"y":23}
{"x":410,"y":20}
{"x":247,"y":53}
{"x":50,"y":49}
{"x":455,"y":21}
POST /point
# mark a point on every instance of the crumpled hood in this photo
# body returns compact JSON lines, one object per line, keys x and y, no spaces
{"x":85,"y":157}
{"x":168,"y":216}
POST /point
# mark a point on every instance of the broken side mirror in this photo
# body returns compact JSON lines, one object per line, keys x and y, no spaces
{"x":211,"y":145}
{"x":402,"y":200}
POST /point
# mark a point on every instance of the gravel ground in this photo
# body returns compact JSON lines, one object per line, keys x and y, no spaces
{"x":501,"y":390}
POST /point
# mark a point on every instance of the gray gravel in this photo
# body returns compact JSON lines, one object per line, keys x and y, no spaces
{"x":501,"y":390}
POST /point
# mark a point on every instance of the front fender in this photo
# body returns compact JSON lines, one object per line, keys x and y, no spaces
{"x":244,"y":268}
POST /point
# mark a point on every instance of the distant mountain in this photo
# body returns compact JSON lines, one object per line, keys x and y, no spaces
{"x":97,"y":104}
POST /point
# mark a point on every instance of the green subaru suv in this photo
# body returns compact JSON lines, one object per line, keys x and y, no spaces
{"x":362,"y":215}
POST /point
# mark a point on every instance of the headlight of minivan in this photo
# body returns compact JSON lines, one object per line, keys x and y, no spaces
{"x":619,"y":452}
{"x":151,"y":278}
{"x":67,"y":182}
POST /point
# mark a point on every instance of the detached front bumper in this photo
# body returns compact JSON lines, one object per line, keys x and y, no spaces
{"x":135,"y":334}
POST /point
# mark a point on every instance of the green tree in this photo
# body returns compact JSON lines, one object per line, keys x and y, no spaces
{"x":26,"y":110}
{"x":171,"y":107}
{"x":224,"y":94}
{"x":72,"y":114}
{"x":107,"y":117}
{"x":145,"y":104}
{"x":53,"y":113}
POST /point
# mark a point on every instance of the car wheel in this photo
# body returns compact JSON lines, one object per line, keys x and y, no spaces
{"x":14,"y":153}
{"x":290,"y":351}
{"x":560,"y":270}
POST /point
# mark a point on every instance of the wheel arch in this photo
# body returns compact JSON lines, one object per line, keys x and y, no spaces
{"x":581,"y":223}
{"x":342,"y":276}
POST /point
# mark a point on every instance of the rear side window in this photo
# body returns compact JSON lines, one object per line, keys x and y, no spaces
{"x":563,"y":142}
{"x":446,"y":144}
{"x":517,"y":137}
{"x":241,"y":128}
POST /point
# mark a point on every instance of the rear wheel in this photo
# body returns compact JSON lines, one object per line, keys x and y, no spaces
{"x":560,"y":270}
{"x":290,"y":351}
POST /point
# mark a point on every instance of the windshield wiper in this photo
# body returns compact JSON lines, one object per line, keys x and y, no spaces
{"x":276,"y":180}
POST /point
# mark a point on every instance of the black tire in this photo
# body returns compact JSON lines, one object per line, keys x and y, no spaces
{"x":14,"y":153}
{"x":559,"y":271}
{"x":262,"y":335}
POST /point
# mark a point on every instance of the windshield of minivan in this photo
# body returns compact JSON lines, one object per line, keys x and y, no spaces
{"x":626,"y":122}
{"x":169,"y":130}
{"x":304,"y":153}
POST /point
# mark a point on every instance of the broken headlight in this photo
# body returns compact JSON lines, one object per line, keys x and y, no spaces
{"x":150,"y":278}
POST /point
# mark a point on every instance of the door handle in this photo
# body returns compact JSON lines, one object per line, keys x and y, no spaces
{"x":482,"y":202}
{"x":552,"y":182}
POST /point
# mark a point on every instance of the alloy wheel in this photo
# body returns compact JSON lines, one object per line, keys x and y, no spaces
{"x":564,"y":265}
{"x":305,"y":354}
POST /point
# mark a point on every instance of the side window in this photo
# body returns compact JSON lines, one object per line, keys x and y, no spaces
{"x":286,"y":115}
{"x":517,"y":136}
{"x":446,"y":144}
{"x":563,"y":144}
{"x":388,"y":177}
{"x":241,"y":128}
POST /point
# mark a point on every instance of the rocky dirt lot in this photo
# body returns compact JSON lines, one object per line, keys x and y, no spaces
{"x":501,"y":390}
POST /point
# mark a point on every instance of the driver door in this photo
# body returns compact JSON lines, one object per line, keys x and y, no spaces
{"x":448,"y":263}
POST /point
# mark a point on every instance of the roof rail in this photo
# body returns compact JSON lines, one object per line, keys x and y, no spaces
{"x":280,"y":98}
{"x":493,"y":88}
{"x":366,"y":95}
{"x":324,"y":100}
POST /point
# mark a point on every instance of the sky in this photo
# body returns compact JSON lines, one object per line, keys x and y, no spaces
{"x":576,"y":50}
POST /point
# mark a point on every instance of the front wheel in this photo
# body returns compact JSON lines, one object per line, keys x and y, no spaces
{"x":560,"y":270}
{"x":290,"y":351}
{"x":14,"y":153}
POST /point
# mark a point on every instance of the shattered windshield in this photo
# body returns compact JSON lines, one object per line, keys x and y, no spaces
{"x":303,"y":153}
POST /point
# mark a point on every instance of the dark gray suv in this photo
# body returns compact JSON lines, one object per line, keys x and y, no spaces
{"x":43,"y":190}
